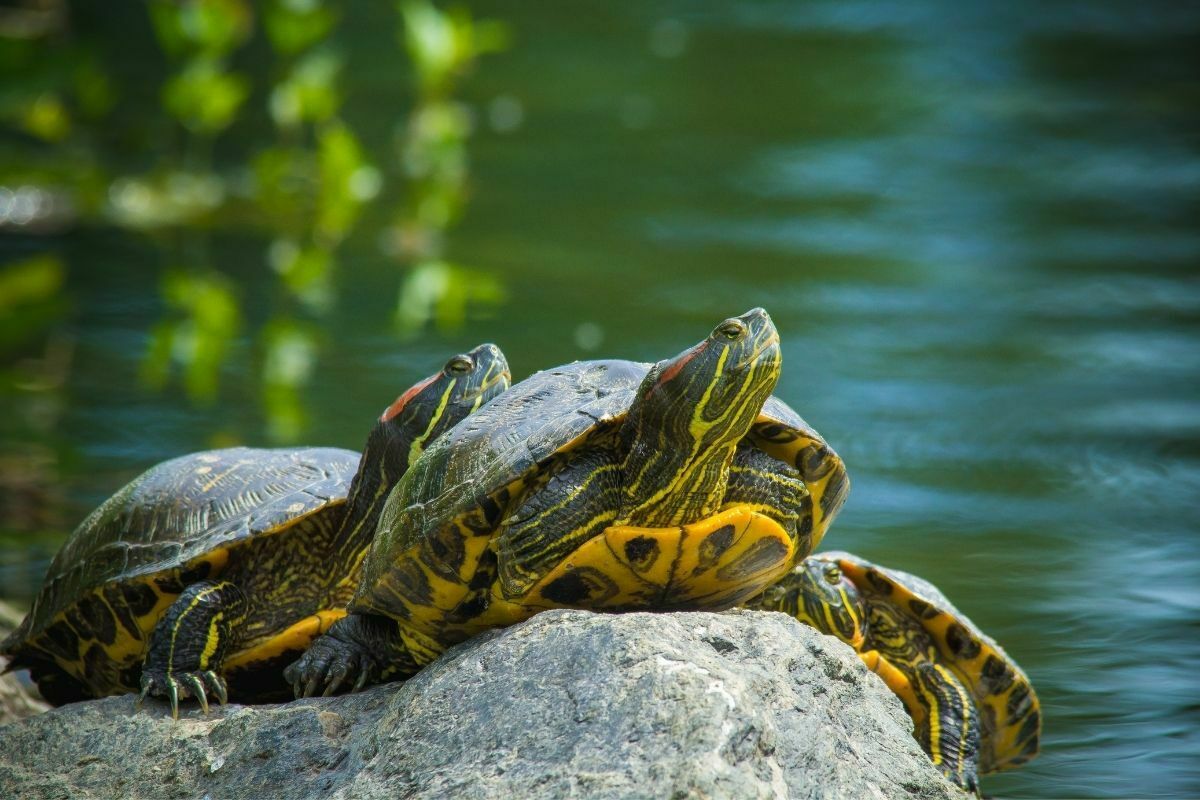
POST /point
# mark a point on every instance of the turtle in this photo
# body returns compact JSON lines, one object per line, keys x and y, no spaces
{"x":974,"y":710}
{"x":209,"y":572}
{"x":608,"y":485}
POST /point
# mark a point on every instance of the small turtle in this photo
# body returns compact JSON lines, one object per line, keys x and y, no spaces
{"x":227,"y":563}
{"x":601,"y":484}
{"x":974,"y":711}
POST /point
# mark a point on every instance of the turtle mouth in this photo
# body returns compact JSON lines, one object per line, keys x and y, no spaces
{"x":499,"y":377}
{"x":758,"y":354}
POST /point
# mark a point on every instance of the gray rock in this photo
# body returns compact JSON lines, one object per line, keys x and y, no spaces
{"x":569,"y":704}
{"x":18,"y":698}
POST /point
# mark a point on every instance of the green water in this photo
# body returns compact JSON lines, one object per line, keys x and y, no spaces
{"x":973,"y":226}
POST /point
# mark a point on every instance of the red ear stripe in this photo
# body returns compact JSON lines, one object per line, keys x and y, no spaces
{"x":395,"y":408}
{"x":680,"y":361}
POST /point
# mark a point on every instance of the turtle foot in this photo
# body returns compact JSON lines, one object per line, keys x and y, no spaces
{"x":328,"y":665}
{"x":176,"y":685}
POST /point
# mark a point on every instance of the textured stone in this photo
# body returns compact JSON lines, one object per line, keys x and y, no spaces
{"x":569,"y":704}
{"x":18,"y":698}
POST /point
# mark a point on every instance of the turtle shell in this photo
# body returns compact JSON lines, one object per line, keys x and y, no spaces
{"x":1010,"y":714}
{"x":469,"y":475}
{"x":176,"y":523}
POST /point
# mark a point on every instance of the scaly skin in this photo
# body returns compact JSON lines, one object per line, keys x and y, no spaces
{"x":668,"y":465}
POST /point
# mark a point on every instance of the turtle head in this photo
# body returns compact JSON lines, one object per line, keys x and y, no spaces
{"x":426,"y":410}
{"x":688,"y":415}
{"x":436,"y":404}
{"x":724,"y":379}
{"x":822,"y":596}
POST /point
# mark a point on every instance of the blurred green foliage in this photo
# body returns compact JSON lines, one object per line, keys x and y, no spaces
{"x":241,"y":125}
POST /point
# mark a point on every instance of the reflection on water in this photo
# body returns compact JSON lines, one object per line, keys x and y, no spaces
{"x":973,"y":225}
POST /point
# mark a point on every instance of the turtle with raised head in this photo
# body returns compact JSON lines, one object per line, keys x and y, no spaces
{"x":602,"y":485}
{"x":223,"y":565}
{"x":974,"y":710}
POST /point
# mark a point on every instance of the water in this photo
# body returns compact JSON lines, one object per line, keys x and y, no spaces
{"x":974,"y":227}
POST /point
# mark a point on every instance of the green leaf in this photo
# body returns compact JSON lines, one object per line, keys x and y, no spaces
{"x":296,"y":25}
{"x":204,"y":97}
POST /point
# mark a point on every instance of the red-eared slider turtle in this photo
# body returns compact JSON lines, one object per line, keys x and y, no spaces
{"x":974,"y":710}
{"x":226,"y":564}
{"x":601,"y":484}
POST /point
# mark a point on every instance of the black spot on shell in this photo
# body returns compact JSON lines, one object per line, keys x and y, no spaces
{"x":139,"y":598}
{"x":579,"y":586}
{"x":989,"y":717}
{"x":834,"y":494}
{"x":470,"y":608}
{"x":642,"y":552}
{"x":95,"y":662}
{"x":813,"y":462}
{"x":444,"y":552}
{"x":99,"y":621}
{"x":491,"y":512}
{"x":996,"y":676}
{"x":197,"y":572}
{"x":169,"y":583}
{"x":961,"y":643}
{"x":60,"y":640}
{"x":485,"y":572}
{"x":879,"y":584}
{"x":804,"y":527}
{"x":922,"y":609}
{"x":714,"y":546}
{"x":115,"y":599}
{"x":774,"y":432}
{"x":408,"y":581}
{"x":1029,"y":732}
{"x":1019,"y":702}
{"x":757,"y":557}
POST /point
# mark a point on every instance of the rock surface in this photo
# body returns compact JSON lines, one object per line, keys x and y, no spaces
{"x":569,"y":704}
{"x":18,"y":698}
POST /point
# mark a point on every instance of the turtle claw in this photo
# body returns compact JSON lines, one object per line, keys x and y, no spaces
{"x":334,"y":678}
{"x":327,"y":666}
{"x":174,"y":686}
{"x":147,"y":683}
{"x":196,"y":687}
{"x":173,"y":693}
{"x":216,"y":684}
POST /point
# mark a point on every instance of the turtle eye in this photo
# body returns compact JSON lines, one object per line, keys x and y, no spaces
{"x":731,"y":329}
{"x":460,"y":365}
{"x":833,"y":575}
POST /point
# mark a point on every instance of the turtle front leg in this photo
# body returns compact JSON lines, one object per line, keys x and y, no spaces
{"x":949,"y":731}
{"x":359,"y":648}
{"x":189,"y":643}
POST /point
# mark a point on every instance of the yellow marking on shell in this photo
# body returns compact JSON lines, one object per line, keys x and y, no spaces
{"x":682,"y":573}
{"x":208,"y":487}
{"x":294,"y":639}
